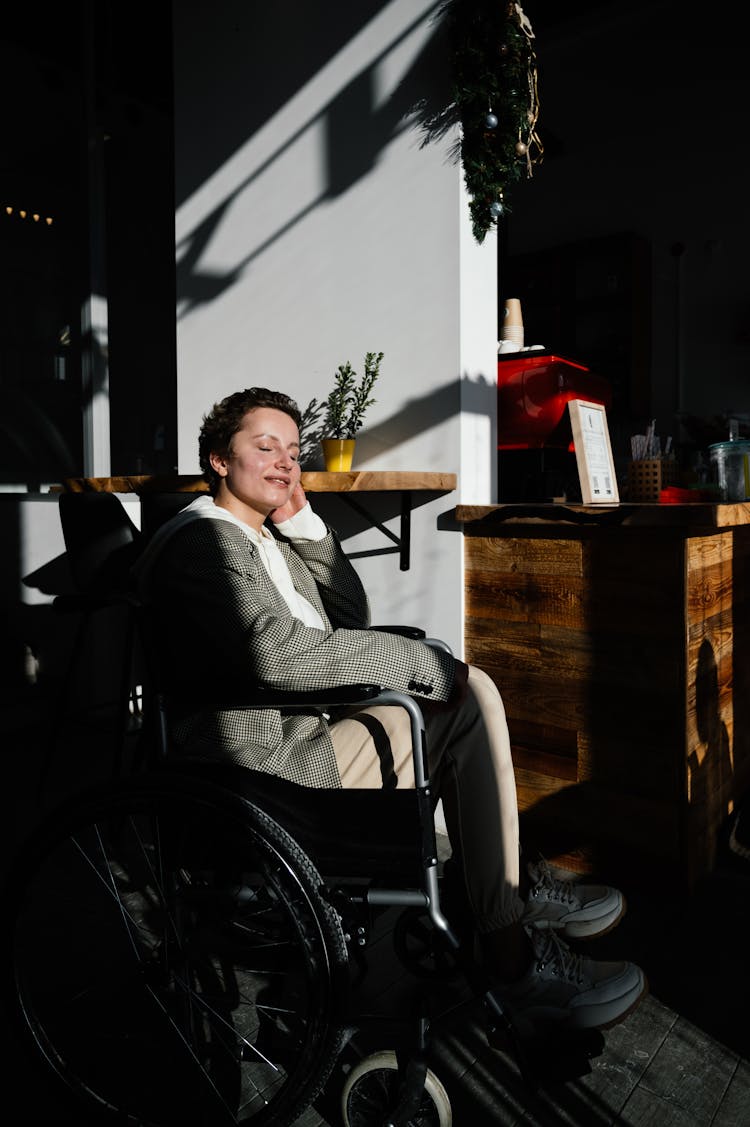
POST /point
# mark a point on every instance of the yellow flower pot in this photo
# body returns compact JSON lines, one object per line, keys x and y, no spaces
{"x":338,"y":453}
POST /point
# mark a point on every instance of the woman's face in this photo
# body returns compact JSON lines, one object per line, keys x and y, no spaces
{"x":262,"y":468}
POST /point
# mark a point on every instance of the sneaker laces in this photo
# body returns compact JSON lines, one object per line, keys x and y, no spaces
{"x":554,"y":887}
{"x":550,"y":951}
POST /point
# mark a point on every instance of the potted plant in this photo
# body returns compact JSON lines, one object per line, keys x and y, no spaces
{"x":342,"y":412}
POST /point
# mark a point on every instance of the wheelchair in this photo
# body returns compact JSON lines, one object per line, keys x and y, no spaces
{"x":187,"y":941}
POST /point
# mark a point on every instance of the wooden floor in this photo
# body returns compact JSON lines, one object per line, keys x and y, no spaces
{"x":682,"y":1059}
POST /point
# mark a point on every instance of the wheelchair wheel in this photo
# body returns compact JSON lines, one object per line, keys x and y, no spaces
{"x":171,"y":957}
{"x":370,"y":1092}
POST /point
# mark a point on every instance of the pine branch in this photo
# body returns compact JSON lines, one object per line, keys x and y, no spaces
{"x":347,"y":403}
{"x":494,"y":100}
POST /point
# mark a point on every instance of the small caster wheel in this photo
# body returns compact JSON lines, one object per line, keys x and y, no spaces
{"x":370,"y":1089}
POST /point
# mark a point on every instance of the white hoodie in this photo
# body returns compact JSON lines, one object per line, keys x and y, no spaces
{"x":305,"y":525}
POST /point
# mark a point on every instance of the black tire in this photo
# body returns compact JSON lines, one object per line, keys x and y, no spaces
{"x":370,"y":1094}
{"x":171,"y":957}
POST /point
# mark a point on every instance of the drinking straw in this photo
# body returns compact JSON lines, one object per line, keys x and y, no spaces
{"x":650,"y":436}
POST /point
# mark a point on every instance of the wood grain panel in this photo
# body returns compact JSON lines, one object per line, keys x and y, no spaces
{"x":547,"y":650}
{"x":527,"y":557}
{"x":619,"y":652}
{"x":709,"y":578}
{"x":525,"y":599}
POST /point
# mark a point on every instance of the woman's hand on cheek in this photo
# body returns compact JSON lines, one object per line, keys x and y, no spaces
{"x":295,"y":504}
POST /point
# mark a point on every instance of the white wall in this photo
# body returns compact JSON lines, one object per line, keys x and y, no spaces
{"x":320,"y":230}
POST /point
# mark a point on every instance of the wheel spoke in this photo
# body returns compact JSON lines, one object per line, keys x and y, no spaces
{"x":163,"y":932}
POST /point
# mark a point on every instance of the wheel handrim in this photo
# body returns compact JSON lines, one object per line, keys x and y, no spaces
{"x":178,"y":971}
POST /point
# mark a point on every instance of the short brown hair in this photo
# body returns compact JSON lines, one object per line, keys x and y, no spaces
{"x":225,"y":419}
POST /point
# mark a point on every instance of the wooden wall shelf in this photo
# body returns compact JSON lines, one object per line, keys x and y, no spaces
{"x":315,"y":481}
{"x":344,"y":485}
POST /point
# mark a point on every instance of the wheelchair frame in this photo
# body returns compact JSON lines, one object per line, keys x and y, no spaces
{"x":182,"y":938}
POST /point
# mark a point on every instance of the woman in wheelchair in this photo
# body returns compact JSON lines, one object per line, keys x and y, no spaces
{"x":251,"y":587}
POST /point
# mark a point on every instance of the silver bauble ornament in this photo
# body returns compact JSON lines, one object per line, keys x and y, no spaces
{"x":491,"y":120}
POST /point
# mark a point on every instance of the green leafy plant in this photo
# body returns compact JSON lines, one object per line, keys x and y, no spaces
{"x":342,"y":413}
{"x":348,"y":401}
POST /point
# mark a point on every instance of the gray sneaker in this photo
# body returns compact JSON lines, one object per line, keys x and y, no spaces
{"x":564,"y":990}
{"x":739,"y":839}
{"x":577,"y":911}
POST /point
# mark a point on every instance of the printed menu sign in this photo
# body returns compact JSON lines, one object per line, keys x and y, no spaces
{"x":596,"y":469}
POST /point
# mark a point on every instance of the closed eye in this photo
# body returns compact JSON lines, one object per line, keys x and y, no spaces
{"x":272,"y":449}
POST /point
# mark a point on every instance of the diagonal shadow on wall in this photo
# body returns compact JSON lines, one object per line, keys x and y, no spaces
{"x":355,"y":126}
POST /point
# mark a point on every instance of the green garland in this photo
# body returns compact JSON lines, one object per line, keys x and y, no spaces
{"x":494,"y":100}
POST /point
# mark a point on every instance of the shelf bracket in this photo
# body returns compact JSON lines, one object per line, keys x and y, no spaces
{"x":403,"y":541}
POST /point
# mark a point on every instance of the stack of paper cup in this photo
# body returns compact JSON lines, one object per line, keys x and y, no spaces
{"x":512,"y":327}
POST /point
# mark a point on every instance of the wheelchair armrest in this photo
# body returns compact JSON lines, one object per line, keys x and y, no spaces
{"x":439,"y":644}
{"x":76,"y":602}
{"x":417,"y":633}
{"x":315,"y":700}
{"x":371,"y":694}
{"x":404,"y":631}
{"x":335,"y":696}
{"x":376,"y":694}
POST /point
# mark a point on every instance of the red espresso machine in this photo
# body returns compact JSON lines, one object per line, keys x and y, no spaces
{"x":536,"y":456}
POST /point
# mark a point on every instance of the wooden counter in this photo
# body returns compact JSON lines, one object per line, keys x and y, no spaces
{"x":619,"y":639}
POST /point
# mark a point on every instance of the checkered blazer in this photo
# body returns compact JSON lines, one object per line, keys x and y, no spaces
{"x":224,"y":625}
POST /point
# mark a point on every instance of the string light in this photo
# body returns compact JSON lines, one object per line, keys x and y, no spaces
{"x":22,"y":213}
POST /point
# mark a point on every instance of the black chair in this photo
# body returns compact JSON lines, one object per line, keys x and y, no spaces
{"x":101,"y":544}
{"x":188,"y":943}
{"x":159,"y":507}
